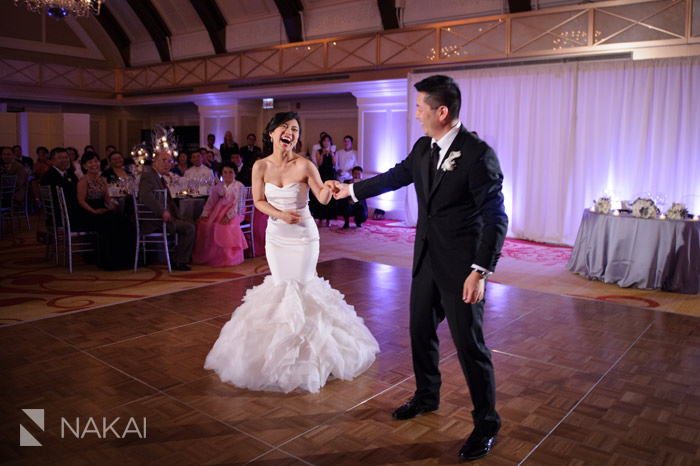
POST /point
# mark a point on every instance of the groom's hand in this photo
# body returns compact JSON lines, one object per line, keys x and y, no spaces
{"x":473,"y":291}
{"x":342,"y":191}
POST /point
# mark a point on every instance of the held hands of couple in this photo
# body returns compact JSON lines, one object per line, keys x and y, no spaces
{"x":338,"y":189}
{"x":473,"y":291}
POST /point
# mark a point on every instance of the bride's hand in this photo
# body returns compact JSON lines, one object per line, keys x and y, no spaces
{"x":332,"y":185}
{"x":291,"y":217}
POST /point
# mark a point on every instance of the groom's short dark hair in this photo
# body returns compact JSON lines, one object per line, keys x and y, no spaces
{"x":441,"y":90}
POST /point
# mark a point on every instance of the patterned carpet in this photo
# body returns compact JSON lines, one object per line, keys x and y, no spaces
{"x":32,"y":287}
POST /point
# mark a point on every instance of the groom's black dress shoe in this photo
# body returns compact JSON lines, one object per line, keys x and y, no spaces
{"x":414,"y":407}
{"x":181,"y":266}
{"x":477,"y":446}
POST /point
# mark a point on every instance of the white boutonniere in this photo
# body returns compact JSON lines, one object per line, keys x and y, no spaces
{"x":449,"y":163}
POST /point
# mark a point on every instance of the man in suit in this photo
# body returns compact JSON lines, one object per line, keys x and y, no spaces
{"x":251,"y":152}
{"x":23,"y":159}
{"x":153,"y":178}
{"x":461,"y":229}
{"x":243,"y":173}
{"x":61,"y":174}
{"x":348,"y":206}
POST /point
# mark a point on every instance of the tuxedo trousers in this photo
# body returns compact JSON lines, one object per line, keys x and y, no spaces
{"x":431,"y":303}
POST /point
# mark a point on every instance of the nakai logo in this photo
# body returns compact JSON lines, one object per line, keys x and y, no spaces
{"x":101,"y":428}
{"x":25,"y":438}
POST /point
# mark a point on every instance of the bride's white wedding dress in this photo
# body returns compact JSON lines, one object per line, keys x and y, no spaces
{"x":293,"y":331}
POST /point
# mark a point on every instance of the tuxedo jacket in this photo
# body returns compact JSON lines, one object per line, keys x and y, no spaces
{"x":150,"y":181}
{"x":461,"y":218}
{"x":244,"y":175}
{"x":249,"y":156}
{"x":69,"y":184}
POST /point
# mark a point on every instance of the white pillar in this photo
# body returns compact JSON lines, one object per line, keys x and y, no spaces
{"x":382,"y":113}
{"x":216,"y":116}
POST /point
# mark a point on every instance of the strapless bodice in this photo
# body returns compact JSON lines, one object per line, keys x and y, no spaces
{"x":293,"y":196}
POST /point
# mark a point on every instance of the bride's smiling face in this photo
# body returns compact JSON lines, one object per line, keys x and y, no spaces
{"x":286,"y":135}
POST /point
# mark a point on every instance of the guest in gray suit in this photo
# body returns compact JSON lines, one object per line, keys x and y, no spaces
{"x":153,"y":178}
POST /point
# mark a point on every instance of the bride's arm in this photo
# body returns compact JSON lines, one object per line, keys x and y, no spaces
{"x":321,"y":190}
{"x":261,"y":203}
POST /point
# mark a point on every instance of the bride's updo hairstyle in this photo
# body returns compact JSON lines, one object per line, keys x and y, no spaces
{"x":276,"y":121}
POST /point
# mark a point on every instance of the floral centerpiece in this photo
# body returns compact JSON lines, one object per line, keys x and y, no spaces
{"x":162,"y":139}
{"x":644,"y":208}
{"x":602,"y":205}
{"x":677,"y":211}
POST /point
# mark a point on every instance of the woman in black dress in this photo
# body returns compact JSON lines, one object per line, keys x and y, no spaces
{"x":325,"y":160}
{"x":116,"y":236}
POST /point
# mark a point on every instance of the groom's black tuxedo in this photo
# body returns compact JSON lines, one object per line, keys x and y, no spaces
{"x":461,"y":221}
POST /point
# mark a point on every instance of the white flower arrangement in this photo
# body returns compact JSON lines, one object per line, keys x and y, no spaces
{"x":644,"y":208}
{"x":449,"y":163}
{"x":162,"y":139}
{"x":677,"y":211}
{"x":602,"y":205}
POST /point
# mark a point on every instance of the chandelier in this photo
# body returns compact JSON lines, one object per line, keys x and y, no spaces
{"x":61,"y":8}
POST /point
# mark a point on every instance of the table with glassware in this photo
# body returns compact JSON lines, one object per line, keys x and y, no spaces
{"x":646,"y":253}
{"x":190,"y":196}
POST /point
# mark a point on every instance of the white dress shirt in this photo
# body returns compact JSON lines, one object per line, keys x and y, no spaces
{"x":200,"y":173}
{"x":346,"y":161}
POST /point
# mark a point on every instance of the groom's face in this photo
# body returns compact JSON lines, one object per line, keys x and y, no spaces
{"x":430,"y":119}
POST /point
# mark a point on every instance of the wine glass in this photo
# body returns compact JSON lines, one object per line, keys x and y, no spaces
{"x":660,"y":200}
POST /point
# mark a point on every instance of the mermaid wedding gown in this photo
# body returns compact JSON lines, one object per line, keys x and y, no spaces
{"x":293,"y":331}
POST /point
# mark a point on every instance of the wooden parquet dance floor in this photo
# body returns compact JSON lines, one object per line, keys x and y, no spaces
{"x":580,"y":382}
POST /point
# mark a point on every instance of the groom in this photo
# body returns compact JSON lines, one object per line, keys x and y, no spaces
{"x":460,"y":232}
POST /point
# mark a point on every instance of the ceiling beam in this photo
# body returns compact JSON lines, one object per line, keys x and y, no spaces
{"x":214,"y":21}
{"x":387,"y":10}
{"x":115,"y":32}
{"x":154,"y":24}
{"x":289,"y":10}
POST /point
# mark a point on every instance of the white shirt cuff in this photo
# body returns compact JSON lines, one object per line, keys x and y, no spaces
{"x":352,"y":193}
{"x":481,"y":269}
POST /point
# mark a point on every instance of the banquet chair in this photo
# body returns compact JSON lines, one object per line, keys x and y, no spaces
{"x":7,"y":199}
{"x":23,"y":208}
{"x":157,"y":240}
{"x":246,"y":212}
{"x":74,"y":240}
{"x":54,"y":228}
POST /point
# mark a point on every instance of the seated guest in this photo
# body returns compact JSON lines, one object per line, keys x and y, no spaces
{"x":152,"y":178}
{"x":220,"y":241}
{"x":116,"y":170}
{"x":348,"y":207}
{"x":199,"y":172}
{"x":61,"y":174}
{"x":183,"y":163}
{"x":243,"y":173}
{"x":216,"y":160}
{"x":116,"y":235}
{"x":14,"y":167}
{"x":23,"y":159}
{"x":41,"y":166}
{"x":104,"y":164}
{"x":75,"y":161}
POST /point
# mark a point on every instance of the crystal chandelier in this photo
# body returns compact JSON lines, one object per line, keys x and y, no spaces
{"x":61,"y":8}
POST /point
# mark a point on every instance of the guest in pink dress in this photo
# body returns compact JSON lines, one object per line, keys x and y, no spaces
{"x":220,"y":241}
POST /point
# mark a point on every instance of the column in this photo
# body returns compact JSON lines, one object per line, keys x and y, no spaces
{"x":382,"y":112}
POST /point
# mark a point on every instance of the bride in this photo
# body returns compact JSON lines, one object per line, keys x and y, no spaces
{"x":293,"y":331}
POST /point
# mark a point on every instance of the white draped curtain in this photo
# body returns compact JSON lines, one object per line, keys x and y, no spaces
{"x":568,"y":133}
